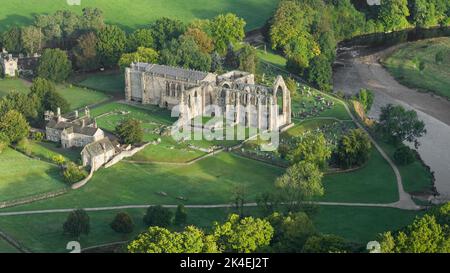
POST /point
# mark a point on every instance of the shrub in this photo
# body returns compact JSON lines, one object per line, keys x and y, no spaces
{"x":354,"y":149}
{"x":24,"y":146}
{"x":37,"y":136}
{"x":122,"y":223}
{"x":158,"y":216}
{"x":180,"y":216}
{"x":404,"y":155}
{"x":291,"y":84}
{"x":130,"y":131}
{"x":58,"y":160}
{"x":73,"y":174}
{"x":77,"y":223}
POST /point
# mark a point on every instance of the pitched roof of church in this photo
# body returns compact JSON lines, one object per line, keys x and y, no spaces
{"x":98,"y":147}
{"x":173,"y":71}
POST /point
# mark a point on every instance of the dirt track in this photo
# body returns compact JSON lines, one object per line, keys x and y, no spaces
{"x":366,"y":72}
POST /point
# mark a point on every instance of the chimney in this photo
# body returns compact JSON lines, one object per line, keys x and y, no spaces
{"x":76,"y":113}
{"x":58,"y":112}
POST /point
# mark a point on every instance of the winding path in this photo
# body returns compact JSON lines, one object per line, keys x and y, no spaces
{"x":363,"y":70}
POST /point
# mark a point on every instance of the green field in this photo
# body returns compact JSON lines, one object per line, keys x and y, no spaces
{"x":22,"y":176}
{"x":43,"y":233}
{"x":209,"y":181}
{"x":78,"y":97}
{"x":138,"y":13}
{"x":359,"y":224}
{"x":416,"y":178}
{"x":6,"y":247}
{"x":110,"y":83}
{"x":404,"y":65}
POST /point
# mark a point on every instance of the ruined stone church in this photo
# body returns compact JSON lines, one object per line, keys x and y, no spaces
{"x":235,"y":94}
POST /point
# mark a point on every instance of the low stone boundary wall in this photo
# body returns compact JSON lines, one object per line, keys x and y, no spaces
{"x":116,"y":159}
{"x":34,"y":198}
{"x":84,"y":181}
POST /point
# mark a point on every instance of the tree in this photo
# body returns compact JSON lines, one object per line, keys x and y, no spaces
{"x":319,"y":72}
{"x":23,"y":103}
{"x":165,"y":30}
{"x":366,"y":97}
{"x":130,"y":131}
{"x":13,"y":126}
{"x":291,"y":231}
{"x":11,"y":40}
{"x":242,"y":235}
{"x":140,"y":38}
{"x":394,"y":14}
{"x":424,"y":13}
{"x":312,"y":148}
{"x":185,"y":53}
{"x":226,"y":29}
{"x":180,"y":216}
{"x":291,"y":85}
{"x":302,"y":181}
{"x":53,"y":100}
{"x":424,"y":235}
{"x":122,"y":223}
{"x":158,"y":216}
{"x":326,"y":244}
{"x":73,"y":174}
{"x":398,"y":125}
{"x":44,"y":92}
{"x":77,"y":223}
{"x":85,"y":52}
{"x":31,"y":39}
{"x":354,"y":149}
{"x":404,"y":155}
{"x":144,"y":55}
{"x":201,"y":38}
{"x":161,"y":240}
{"x":92,"y":19}
{"x":290,"y":32}
{"x":54,"y":65}
{"x":111,"y":43}
{"x":248,"y":59}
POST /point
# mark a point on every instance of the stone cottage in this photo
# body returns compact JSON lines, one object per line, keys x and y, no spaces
{"x":72,"y":131}
{"x":8,"y":64}
{"x":98,"y":153}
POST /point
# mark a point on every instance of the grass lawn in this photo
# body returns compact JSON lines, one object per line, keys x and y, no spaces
{"x":209,"y":181}
{"x":404,"y":65}
{"x":359,"y":224}
{"x":416,"y":177}
{"x":8,"y":85}
{"x":108,"y":83}
{"x":80,"y":97}
{"x":138,"y":13}
{"x":47,"y":150}
{"x":21,"y":176}
{"x":43,"y":233}
{"x":271,"y":57}
{"x":5,"y":247}
{"x":76,"y":96}
{"x":374,"y":183}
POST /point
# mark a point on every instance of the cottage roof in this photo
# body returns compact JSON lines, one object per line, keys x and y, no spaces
{"x":99,"y":147}
{"x":74,"y":126}
{"x":178,"y":72}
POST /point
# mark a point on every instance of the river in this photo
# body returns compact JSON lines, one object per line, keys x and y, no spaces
{"x":357,"y":66}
